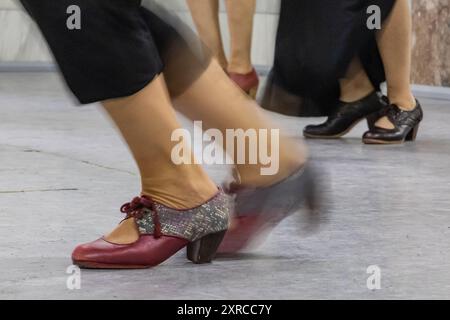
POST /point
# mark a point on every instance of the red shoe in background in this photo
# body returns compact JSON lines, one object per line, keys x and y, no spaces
{"x":247,"y":82}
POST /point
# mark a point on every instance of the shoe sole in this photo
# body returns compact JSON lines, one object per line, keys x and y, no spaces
{"x":336,"y":136}
{"x":410,"y":137}
{"x":382,"y":142}
{"x":96,"y":265}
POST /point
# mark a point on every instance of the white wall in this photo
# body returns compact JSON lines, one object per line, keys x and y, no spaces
{"x":20,"y":42}
{"x":19,"y":39}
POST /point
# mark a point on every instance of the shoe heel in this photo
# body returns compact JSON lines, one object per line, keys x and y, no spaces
{"x":412,"y":135}
{"x":204,"y":249}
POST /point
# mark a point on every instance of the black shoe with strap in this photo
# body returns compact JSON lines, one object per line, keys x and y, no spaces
{"x":406,"y":125}
{"x":346,"y":116}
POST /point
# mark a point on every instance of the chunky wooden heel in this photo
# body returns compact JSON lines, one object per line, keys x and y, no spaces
{"x":412,"y":135}
{"x":204,"y":250}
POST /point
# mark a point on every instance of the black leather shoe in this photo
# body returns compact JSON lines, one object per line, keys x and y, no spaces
{"x":406,"y":126}
{"x":346,"y":116}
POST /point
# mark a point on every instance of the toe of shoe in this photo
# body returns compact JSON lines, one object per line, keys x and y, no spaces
{"x":310,"y":127}
{"x":87,"y":251}
{"x":312,"y":130}
{"x":367,"y":135}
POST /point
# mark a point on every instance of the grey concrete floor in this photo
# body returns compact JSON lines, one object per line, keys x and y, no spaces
{"x":64,"y":172}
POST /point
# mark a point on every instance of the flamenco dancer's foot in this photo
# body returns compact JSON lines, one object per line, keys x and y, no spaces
{"x":162,"y":231}
{"x":260,"y":210}
{"x":395,"y":125}
{"x":248,"y":82}
{"x":346,"y":116}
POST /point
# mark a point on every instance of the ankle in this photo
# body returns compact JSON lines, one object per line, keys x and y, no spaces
{"x":405,"y":102}
{"x":181,"y":197}
{"x":239,"y":66}
{"x":181,"y":191}
{"x":355,"y":92}
{"x":223,"y":62}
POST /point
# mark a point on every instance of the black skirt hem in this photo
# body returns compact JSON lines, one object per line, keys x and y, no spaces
{"x":127,"y":92}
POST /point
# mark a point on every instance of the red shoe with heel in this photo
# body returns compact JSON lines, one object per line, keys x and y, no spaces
{"x":249,"y":82}
{"x":163,"y":232}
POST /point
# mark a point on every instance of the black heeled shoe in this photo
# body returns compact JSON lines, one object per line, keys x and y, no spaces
{"x":346,"y":116}
{"x":406,"y":126}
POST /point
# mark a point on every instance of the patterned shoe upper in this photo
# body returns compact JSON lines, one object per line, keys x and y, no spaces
{"x":191,"y":224}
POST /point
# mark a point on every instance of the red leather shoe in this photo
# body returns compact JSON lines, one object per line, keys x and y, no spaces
{"x":260,"y":210}
{"x":163,"y":232}
{"x":247,"y":82}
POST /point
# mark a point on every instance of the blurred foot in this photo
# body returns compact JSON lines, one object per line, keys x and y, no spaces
{"x":260,"y":210}
{"x":248,"y":82}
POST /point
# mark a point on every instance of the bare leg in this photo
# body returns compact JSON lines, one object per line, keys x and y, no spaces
{"x":240,"y":20}
{"x":356,"y":84}
{"x":206,"y":18}
{"x":226,"y":107}
{"x":394,"y":42}
{"x":146,"y":121}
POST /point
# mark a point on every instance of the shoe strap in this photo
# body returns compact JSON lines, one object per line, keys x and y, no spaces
{"x":139,"y":207}
{"x":153,"y":218}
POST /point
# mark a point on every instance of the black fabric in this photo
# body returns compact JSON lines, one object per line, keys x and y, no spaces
{"x":119,"y":49}
{"x":316,"y":42}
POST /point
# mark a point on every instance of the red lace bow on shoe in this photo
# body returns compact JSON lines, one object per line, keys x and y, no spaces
{"x":135,"y":209}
